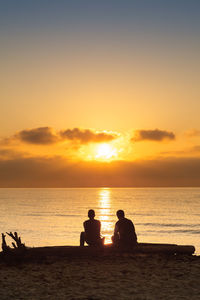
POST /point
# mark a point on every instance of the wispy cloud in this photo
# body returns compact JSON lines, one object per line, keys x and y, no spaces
{"x":192,"y":133}
{"x":152,"y":135}
{"x":196,"y":148}
{"x":7,"y":153}
{"x":185,"y":152}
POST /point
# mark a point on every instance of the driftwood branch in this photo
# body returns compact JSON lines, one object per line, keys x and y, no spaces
{"x":17,"y":244}
{"x":17,"y":240}
{"x":5,"y":247}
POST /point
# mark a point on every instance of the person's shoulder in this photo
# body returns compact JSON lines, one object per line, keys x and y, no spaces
{"x":86,"y":222}
{"x":118,"y":222}
{"x":129,"y":221}
{"x":97,"y":221}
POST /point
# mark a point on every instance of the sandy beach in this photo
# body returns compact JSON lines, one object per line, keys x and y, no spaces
{"x":138,"y":276}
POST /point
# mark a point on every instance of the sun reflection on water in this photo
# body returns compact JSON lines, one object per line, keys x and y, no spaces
{"x":105,"y":214}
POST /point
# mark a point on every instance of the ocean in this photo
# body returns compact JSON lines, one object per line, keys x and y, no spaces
{"x":50,"y":216}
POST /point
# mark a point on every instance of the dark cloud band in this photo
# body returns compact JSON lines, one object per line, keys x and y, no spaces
{"x":57,"y":172}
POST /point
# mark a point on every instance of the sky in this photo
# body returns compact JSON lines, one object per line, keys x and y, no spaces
{"x":99,"y":93}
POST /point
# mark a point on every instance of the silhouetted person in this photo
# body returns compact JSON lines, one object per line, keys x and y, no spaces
{"x":124,"y":232}
{"x":92,"y":228}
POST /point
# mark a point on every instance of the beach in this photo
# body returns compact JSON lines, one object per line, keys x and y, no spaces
{"x":125,"y":276}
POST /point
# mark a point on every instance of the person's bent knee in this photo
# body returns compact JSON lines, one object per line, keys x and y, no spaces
{"x":82,"y":238}
{"x":115,"y":240}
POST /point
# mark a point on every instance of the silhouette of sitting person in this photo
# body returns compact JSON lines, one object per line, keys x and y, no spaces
{"x":124,"y":232}
{"x":92,"y":228}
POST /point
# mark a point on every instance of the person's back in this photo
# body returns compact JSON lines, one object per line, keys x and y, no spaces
{"x":124,"y":233}
{"x":92,"y":228}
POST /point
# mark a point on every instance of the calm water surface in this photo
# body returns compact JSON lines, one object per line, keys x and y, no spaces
{"x":55,"y":216}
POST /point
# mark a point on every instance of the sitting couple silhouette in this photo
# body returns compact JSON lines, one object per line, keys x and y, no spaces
{"x":124,"y":232}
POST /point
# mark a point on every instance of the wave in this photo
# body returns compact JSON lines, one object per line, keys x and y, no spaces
{"x":180,"y":231}
{"x":51,"y":215}
{"x":168,"y":225}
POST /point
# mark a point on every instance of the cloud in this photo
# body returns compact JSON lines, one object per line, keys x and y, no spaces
{"x":57,"y":172}
{"x":47,"y":136}
{"x":152,"y":135}
{"x":85,"y":136}
{"x":192,"y":133}
{"x":7,"y":153}
{"x":38,"y":136}
{"x":196,"y":148}
{"x":187,"y":151}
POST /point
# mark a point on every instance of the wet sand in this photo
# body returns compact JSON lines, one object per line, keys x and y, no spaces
{"x":135,"y":277}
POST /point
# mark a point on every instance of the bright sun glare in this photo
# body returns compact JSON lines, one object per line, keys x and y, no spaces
{"x":105,"y":152}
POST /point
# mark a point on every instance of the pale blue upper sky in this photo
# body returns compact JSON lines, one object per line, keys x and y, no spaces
{"x":114,"y":16}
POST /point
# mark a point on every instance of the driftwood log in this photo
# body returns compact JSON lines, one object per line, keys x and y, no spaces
{"x":76,"y":251}
{"x":21,"y":253}
{"x":40,"y":254}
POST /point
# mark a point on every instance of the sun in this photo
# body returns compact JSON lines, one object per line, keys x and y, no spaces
{"x":105,"y":152}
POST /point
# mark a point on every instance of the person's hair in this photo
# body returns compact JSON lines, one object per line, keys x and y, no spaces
{"x":120,"y":213}
{"x":91,"y":213}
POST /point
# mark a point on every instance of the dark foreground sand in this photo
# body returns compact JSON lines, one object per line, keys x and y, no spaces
{"x":119,"y":277}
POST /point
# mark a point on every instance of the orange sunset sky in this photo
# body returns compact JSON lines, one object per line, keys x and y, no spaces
{"x":100,"y":93}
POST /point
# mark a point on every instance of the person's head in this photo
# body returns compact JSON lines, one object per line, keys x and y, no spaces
{"x":120,"y":214}
{"x":91,"y":214}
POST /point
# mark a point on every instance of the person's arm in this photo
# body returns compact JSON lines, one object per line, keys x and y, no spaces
{"x":116,"y":230}
{"x":134,"y":233}
{"x":99,"y":228}
{"x":84,"y":225}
